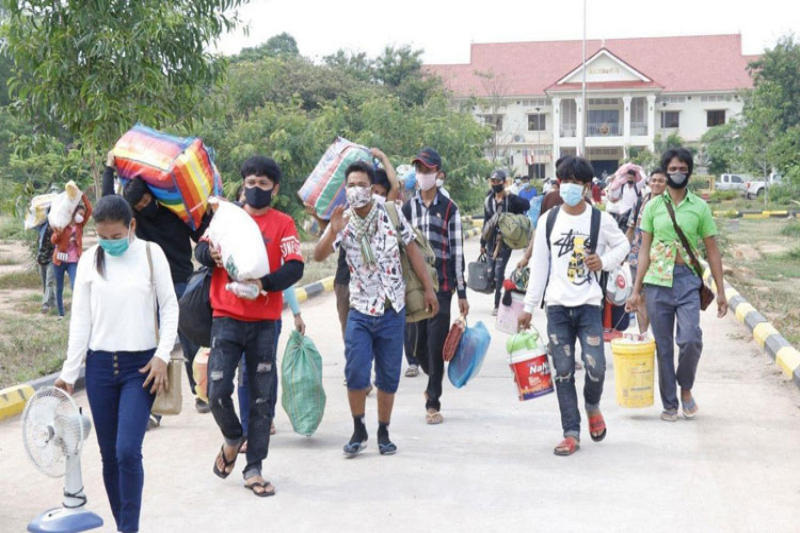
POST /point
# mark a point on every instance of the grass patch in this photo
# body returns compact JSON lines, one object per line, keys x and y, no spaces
{"x":792,"y":229}
{"x":9,"y":259}
{"x":28,"y":279}
{"x":12,"y":229}
{"x":31,"y":346}
{"x":313,"y":270}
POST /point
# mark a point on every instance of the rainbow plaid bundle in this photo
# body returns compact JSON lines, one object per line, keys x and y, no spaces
{"x":179,"y":171}
{"x":325,"y":187}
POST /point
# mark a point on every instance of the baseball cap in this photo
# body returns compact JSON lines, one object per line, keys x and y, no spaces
{"x":498,"y":174}
{"x":429,"y":157}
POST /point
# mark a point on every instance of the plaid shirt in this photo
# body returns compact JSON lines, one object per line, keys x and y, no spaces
{"x":441,"y":225}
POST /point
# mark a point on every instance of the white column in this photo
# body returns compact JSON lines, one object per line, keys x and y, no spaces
{"x":556,"y":135}
{"x":581,"y":127}
{"x":651,"y":121}
{"x":626,"y":125}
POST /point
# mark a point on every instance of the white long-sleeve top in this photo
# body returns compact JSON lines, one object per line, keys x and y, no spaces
{"x":571,"y":283}
{"x":114,"y":313}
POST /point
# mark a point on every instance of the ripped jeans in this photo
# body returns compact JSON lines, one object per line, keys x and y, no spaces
{"x":565,"y":325}
{"x":229,"y":338}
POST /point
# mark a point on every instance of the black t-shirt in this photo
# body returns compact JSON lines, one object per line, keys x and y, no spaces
{"x":342,"y":269}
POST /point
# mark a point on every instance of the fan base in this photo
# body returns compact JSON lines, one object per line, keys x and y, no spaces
{"x":61,"y":520}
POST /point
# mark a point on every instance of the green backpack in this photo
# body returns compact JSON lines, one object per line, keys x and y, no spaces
{"x":516,"y":230}
{"x":415,"y":290}
{"x":303,"y":397}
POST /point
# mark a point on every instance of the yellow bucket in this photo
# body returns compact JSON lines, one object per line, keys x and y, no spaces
{"x":634,"y":371}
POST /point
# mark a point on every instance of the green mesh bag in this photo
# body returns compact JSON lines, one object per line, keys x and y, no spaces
{"x":303,"y":397}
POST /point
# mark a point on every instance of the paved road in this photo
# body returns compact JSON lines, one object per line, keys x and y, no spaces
{"x":490,"y":467}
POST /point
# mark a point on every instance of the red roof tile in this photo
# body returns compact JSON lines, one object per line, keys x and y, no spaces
{"x":678,"y":64}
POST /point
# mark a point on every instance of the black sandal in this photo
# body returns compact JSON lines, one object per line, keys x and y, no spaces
{"x":222,"y":474}
{"x":265,"y":494}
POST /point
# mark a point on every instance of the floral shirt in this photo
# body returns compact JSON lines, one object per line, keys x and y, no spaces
{"x":695,"y":220}
{"x":371,"y":287}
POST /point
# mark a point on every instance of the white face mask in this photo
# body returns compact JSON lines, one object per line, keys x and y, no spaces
{"x":358,"y":197}
{"x":426,"y":181}
{"x":79,"y":219}
{"x":379,"y":199}
{"x":440,"y":183}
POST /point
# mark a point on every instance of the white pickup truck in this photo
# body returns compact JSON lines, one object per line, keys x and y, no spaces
{"x":732,"y":182}
{"x":757,"y":188}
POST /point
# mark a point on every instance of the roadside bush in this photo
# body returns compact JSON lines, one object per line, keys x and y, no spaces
{"x":792,"y":229}
{"x":723,"y":196}
{"x":785,"y":194}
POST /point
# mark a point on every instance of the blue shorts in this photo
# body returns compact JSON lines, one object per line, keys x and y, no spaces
{"x":374,"y":337}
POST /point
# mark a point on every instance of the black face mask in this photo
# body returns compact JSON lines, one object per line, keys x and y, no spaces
{"x":257,"y":198}
{"x":677,"y":180}
{"x":150,"y":210}
{"x":498,"y":188}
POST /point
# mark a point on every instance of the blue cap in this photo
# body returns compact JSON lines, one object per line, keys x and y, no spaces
{"x":429,"y":157}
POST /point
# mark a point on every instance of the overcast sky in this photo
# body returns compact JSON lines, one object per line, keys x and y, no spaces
{"x":445,"y":28}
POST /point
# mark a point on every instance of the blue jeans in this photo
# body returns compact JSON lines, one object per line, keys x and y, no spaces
{"x":374,"y":337}
{"x":60,"y":270}
{"x":120,"y":410}
{"x":566,"y":325}
{"x":244,"y":386}
{"x":666,"y":306}
{"x":229,"y":338}
{"x":189,"y":348}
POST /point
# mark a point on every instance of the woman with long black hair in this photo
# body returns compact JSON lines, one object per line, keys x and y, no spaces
{"x":120,"y":284}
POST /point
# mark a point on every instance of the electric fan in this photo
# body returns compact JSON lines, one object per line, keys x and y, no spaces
{"x":53,"y":431}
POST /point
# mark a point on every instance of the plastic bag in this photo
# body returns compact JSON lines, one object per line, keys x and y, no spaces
{"x":36,"y":214}
{"x":324,"y":189}
{"x":179,"y":170}
{"x":196,"y":315}
{"x":469,"y":358}
{"x":64,"y":205}
{"x":303,"y":397}
{"x":239,"y":240}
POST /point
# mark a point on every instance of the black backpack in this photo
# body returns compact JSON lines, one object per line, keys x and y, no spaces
{"x":196,"y":315}
{"x":594,"y":234}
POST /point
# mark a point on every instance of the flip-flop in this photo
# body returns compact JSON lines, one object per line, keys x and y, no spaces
{"x":265,"y":494}
{"x":596,"y":423}
{"x":222,"y":474}
{"x":434,"y":419}
{"x":351,"y":449}
{"x":669,"y":415}
{"x":687,"y":407}
{"x":568,"y":446}
{"x":387,"y":449}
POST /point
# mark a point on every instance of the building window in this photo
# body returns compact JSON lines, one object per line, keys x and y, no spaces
{"x":670,"y":119}
{"x":715,"y":118}
{"x":536,"y":122}
{"x":536,"y":171}
{"x":495,"y":121}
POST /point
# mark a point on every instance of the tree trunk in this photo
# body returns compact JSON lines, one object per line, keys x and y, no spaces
{"x":98,"y":190}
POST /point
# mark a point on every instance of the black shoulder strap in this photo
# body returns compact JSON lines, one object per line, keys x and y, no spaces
{"x":594,"y":231}
{"x":549,"y":224}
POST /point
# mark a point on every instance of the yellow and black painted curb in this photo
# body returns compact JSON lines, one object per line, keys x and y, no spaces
{"x":766,"y":336}
{"x":13,"y":400}
{"x":312,"y":290}
{"x":757,"y":215}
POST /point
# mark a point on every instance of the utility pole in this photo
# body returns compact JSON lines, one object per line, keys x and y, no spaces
{"x":583,"y":86}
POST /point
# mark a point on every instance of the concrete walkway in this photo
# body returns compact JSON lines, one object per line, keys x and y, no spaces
{"x":489,"y":468}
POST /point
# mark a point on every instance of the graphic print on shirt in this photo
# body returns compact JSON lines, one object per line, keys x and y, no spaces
{"x":577,"y":245}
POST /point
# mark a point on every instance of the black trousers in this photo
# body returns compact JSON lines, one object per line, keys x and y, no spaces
{"x":425,"y":341}
{"x":499,"y":268}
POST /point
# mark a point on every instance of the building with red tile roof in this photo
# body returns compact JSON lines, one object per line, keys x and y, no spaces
{"x":636,"y":89}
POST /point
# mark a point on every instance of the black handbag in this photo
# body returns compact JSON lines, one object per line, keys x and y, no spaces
{"x":195,"y":316}
{"x":480,"y":276}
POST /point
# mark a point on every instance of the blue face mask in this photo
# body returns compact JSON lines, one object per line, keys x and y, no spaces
{"x":571,"y":193}
{"x":115,"y":247}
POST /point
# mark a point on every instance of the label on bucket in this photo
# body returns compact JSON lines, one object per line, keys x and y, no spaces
{"x":533,"y":377}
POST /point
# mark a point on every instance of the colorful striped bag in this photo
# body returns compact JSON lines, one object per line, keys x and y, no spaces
{"x":179,"y":170}
{"x":324,"y":189}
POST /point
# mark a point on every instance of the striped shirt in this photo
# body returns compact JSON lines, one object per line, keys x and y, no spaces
{"x":441,"y":225}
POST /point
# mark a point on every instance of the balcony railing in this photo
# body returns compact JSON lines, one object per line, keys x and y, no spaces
{"x":605,"y":129}
{"x":639,"y":129}
{"x":569,"y":130}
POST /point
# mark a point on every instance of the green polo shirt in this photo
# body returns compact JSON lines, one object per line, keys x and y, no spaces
{"x":695,"y":219}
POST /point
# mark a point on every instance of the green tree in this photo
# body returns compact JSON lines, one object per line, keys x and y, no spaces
{"x":281,"y":45}
{"x":721,"y":146}
{"x":779,"y":70}
{"x":98,"y":70}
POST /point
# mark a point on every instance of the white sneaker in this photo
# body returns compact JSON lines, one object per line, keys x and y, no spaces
{"x":412,"y":372}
